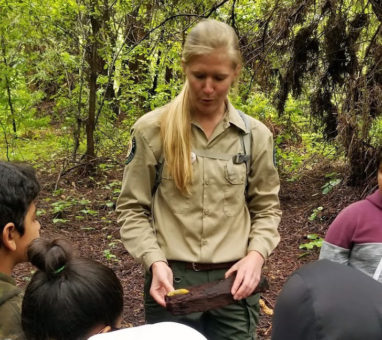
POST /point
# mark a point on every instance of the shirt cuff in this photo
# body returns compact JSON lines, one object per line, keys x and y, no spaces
{"x":263,"y":247}
{"x":150,"y":258}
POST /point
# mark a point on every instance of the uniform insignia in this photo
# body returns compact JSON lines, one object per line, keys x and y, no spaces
{"x":132,"y":150}
{"x":193,"y":157}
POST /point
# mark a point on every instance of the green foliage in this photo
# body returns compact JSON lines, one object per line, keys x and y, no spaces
{"x":113,"y":184}
{"x":315,"y":213}
{"x":109,"y":256}
{"x":109,"y":204}
{"x":316,"y":242}
{"x":59,"y":207}
{"x":62,"y":208}
{"x":45,"y":68}
{"x":59,"y":220}
{"x":376,"y":132}
{"x":89,"y":212}
{"x":297,"y":146}
{"x":87,"y":228}
{"x":257,"y":105}
{"x":84,"y":202}
{"x":40,"y":212}
{"x":105,"y":166}
{"x":107,"y":253}
{"x":114,"y":187}
{"x":331,"y":183}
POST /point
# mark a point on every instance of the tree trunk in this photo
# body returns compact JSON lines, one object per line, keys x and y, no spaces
{"x":77,"y":129}
{"x":9,"y":92}
{"x":93,"y":59}
{"x":11,"y":105}
{"x":90,"y":123}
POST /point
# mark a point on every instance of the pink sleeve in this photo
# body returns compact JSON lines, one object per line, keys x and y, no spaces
{"x":341,"y":231}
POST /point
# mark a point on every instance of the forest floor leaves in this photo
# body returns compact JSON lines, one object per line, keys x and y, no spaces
{"x":82,"y":211}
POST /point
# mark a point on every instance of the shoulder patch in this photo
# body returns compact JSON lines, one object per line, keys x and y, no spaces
{"x":131,"y":151}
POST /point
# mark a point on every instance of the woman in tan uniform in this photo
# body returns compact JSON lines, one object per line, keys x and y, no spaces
{"x":215,"y":211}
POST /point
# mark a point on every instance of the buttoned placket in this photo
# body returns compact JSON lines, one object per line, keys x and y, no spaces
{"x":208,"y":221}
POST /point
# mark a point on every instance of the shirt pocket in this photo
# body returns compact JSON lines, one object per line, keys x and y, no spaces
{"x":234,"y":188}
{"x":177,"y":203}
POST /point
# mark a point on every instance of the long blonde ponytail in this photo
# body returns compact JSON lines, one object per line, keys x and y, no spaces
{"x":176,"y":138}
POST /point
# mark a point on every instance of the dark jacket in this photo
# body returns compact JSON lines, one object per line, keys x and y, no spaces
{"x":10,"y":309}
{"x":331,"y":301}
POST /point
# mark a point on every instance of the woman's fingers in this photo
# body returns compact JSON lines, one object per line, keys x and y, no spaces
{"x":162,"y":282}
{"x":248,"y":272}
{"x":247,"y":286}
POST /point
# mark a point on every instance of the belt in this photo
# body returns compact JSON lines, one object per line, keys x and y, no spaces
{"x":203,"y":266}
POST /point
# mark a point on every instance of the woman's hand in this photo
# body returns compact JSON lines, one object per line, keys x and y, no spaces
{"x":248,"y":272}
{"x":162,"y":282}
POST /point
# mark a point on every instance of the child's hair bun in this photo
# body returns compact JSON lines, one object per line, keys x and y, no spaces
{"x":51,"y":257}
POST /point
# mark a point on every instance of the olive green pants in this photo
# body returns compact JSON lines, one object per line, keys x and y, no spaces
{"x":236,"y":321}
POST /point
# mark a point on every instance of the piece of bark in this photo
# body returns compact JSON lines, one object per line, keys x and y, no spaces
{"x":207,"y":296}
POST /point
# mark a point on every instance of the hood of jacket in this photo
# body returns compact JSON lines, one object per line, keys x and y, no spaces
{"x":376,"y":199}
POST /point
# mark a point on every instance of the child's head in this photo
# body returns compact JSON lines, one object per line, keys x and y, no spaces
{"x":18,"y":191}
{"x":68,"y":297}
{"x":318,"y":300}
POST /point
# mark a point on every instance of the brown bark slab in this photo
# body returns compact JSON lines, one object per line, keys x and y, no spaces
{"x":207,"y":296}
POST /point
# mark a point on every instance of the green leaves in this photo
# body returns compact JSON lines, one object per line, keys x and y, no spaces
{"x":107,"y":252}
{"x":89,"y":212}
{"x":333,"y":181}
{"x":59,"y":220}
{"x":60,"y":206}
{"x":315,"y":213}
{"x":63,"y":207}
{"x":108,"y":255}
{"x":316,"y":242}
{"x":110,"y":204}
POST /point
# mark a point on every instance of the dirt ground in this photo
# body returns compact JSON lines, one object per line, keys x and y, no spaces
{"x":89,"y":222}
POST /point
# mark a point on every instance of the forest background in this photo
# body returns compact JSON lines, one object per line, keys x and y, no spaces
{"x":76,"y":74}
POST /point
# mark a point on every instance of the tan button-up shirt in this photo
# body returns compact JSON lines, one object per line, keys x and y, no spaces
{"x":216,"y":223}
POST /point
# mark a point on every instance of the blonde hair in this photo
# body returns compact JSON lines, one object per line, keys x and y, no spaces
{"x":207,"y":36}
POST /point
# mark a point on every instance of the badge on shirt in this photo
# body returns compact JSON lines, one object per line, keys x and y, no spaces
{"x":193,"y":157}
{"x":131,"y":151}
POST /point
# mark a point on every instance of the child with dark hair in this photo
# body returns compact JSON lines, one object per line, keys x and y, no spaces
{"x":355,"y":236}
{"x":69,"y":297}
{"x":18,"y":225}
{"x":72,"y":298}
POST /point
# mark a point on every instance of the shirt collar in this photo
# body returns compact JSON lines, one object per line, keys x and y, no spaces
{"x":234,"y":118}
{"x":231,"y":117}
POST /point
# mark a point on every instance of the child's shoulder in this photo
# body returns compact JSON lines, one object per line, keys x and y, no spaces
{"x":10,"y":308}
{"x":9,"y":292}
{"x":356,"y":207}
{"x":366,"y":206}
